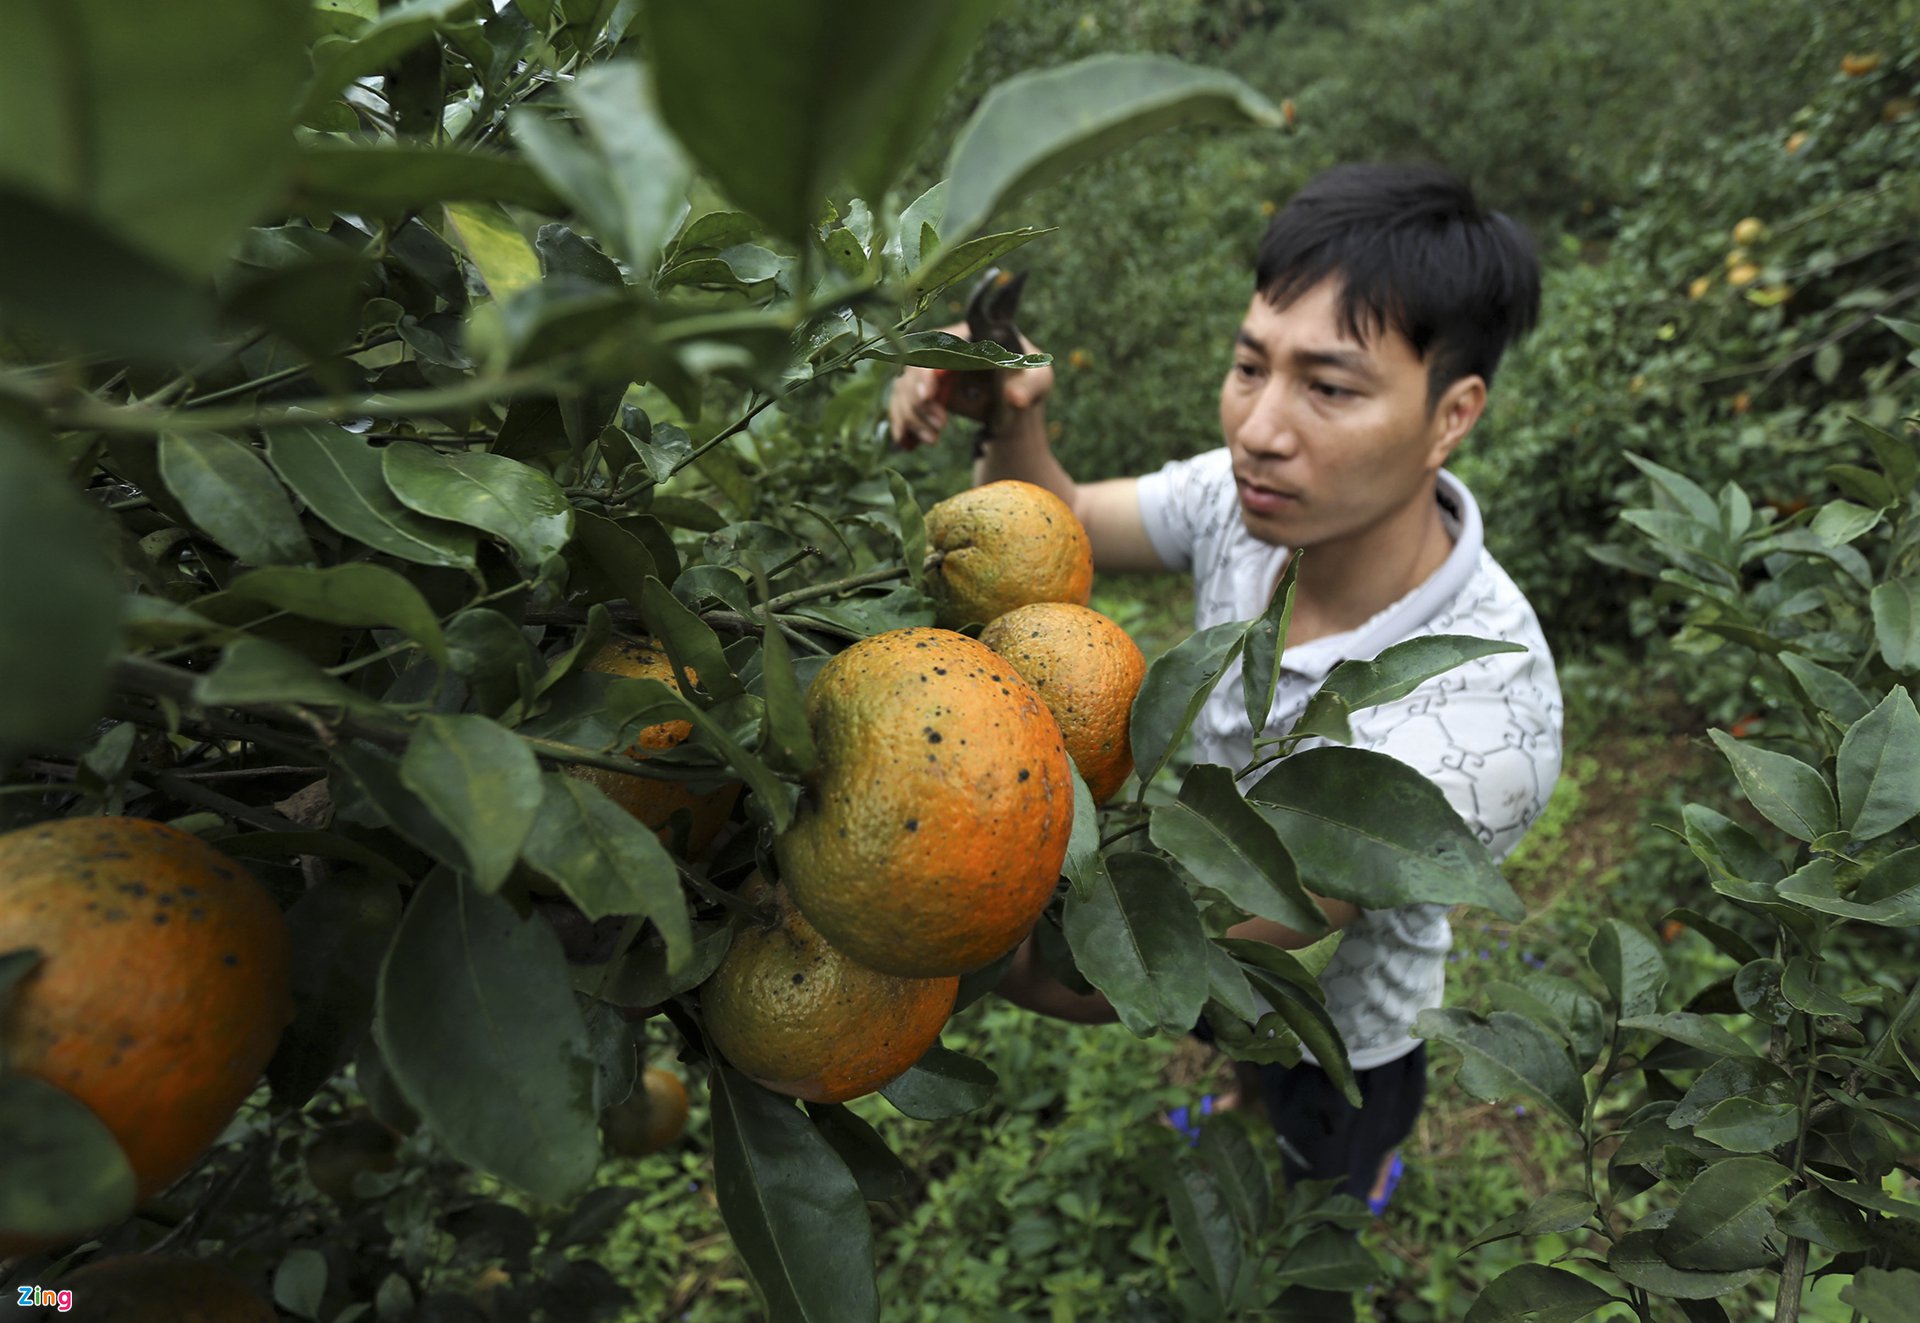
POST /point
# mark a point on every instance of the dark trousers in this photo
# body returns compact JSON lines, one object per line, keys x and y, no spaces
{"x":1324,"y":1137}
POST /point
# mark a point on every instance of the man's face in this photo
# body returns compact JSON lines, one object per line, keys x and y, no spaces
{"x":1331,"y":437}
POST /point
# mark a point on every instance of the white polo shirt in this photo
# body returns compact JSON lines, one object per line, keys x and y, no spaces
{"x":1486,"y":733}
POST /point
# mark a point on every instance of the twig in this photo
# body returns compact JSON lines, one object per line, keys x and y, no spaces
{"x":798,"y":595}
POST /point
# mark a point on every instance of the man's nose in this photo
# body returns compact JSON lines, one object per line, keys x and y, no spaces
{"x":1269,"y":426}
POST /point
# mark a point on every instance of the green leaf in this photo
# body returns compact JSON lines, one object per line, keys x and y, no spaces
{"x":339,"y":62}
{"x":1366,"y":828}
{"x":1894,"y":453}
{"x":354,"y":594}
{"x":616,"y":552}
{"x":1404,"y":667}
{"x":1226,"y":845}
{"x":1636,"y":1258}
{"x":793,"y":1209}
{"x":1883,"y":1295}
{"x":1896,"y":622}
{"x":1747,"y":1125}
{"x":520,"y":505}
{"x":253,"y":671}
{"x":1176,"y":687}
{"x":1630,"y":966}
{"x":1723,"y":1219}
{"x":338,"y":476}
{"x":947,"y":267}
{"x":1514,"y":1053}
{"x":1871,"y":1196}
{"x":478,"y":1025}
{"x":1800,"y":987}
{"x":1841,"y":522}
{"x":97,"y":122}
{"x":485,"y":232}
{"x":1889,"y":895}
{"x":1827,"y":1220}
{"x":59,"y":597}
{"x":607,"y":862}
{"x":789,"y":733}
{"x":1879,"y":768}
{"x":940,"y":1085}
{"x":1691,"y":1029}
{"x":881,"y":1175}
{"x":1204,"y":1223}
{"x":777,"y":100}
{"x":300,"y":1281}
{"x":643,"y":976}
{"x":1727,"y":849}
{"x":1827,"y":689}
{"x":390,"y":179}
{"x":231,"y":493}
{"x":493,"y":656}
{"x":941,"y":349}
{"x":1683,"y":492}
{"x":1082,"y":864}
{"x":689,"y":641}
{"x":1037,"y":127}
{"x":89,"y":288}
{"x":481,"y":783}
{"x":1137,"y":938}
{"x":1266,"y":640}
{"x":1303,"y":1010}
{"x":913,"y":529}
{"x":1791,"y":795}
{"x":65,"y":1174}
{"x":338,"y":932}
{"x":1553,"y":1213}
{"x":1229,"y":1154}
{"x":1537,"y":1293}
{"x":1327,"y":1259}
{"x":1729,"y":1077}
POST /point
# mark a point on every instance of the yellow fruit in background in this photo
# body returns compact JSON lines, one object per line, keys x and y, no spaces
{"x":1859,"y":66}
{"x":1749,"y":231}
{"x":654,"y":801}
{"x":1698,"y":289}
{"x":1004,"y":545}
{"x":1088,"y":671}
{"x":932,"y":832}
{"x":791,"y":1012}
{"x":1744,"y":274}
{"x":650,"y":1118}
{"x":1796,"y":141}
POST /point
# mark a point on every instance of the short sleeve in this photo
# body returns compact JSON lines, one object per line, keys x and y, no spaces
{"x":1178,"y":506}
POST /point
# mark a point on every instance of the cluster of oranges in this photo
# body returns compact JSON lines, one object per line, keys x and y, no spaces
{"x":933,"y":830}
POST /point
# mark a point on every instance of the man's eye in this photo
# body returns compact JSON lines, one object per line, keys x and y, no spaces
{"x":1327,"y":390}
{"x":1247,"y":370}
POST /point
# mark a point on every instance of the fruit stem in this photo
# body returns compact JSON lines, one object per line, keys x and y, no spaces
{"x":808,"y":594}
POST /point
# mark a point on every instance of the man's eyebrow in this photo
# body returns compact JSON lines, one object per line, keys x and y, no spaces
{"x":1346,"y":360}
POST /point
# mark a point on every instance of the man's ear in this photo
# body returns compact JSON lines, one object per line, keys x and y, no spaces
{"x":1454,"y":414}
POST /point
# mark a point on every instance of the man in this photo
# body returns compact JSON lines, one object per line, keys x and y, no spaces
{"x":1384,"y":298}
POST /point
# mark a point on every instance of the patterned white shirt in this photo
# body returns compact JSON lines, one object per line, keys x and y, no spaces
{"x":1487,"y":734}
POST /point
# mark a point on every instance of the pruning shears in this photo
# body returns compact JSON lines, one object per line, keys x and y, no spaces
{"x":975,"y":393}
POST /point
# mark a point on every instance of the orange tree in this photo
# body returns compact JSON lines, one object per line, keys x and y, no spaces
{"x":364,"y":368}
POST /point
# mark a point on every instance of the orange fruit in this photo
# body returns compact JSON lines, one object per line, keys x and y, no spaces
{"x":1743,"y":274}
{"x":1749,"y":231}
{"x":1088,"y":672}
{"x":797,"y":1015}
{"x":932,"y":830}
{"x":649,"y":1118}
{"x":136,"y":1288}
{"x":162,"y":987}
{"x":1795,"y":141}
{"x":650,"y":799}
{"x":1859,"y":66}
{"x":1004,"y":545}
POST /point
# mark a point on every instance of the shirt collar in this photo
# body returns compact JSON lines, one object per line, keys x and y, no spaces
{"x":1403,"y":618}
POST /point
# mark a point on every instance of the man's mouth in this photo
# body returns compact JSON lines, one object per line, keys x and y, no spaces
{"x":1265,"y":500}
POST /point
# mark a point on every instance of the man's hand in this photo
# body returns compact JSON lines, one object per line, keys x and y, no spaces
{"x":916,"y":415}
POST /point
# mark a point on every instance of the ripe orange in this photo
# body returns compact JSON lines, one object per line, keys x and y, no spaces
{"x":1088,"y":671}
{"x":136,"y":1288}
{"x":1859,"y":66}
{"x":1004,"y":545}
{"x":650,"y":799}
{"x":793,"y":1013}
{"x":1749,"y":231}
{"x":649,"y":1118}
{"x":162,"y":987}
{"x":933,"y":829}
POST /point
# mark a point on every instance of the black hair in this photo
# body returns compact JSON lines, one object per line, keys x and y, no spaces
{"x":1414,"y":251}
